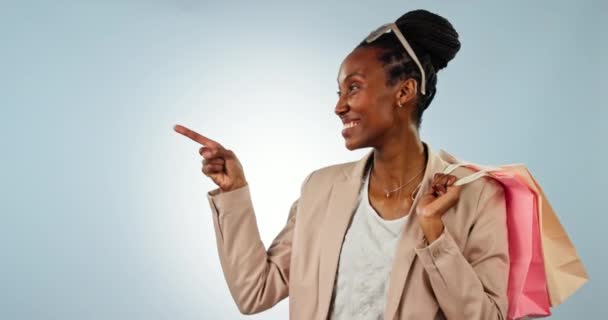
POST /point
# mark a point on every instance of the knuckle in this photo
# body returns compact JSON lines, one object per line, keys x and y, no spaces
{"x":207,"y":170}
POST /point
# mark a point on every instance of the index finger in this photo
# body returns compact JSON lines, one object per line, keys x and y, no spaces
{"x":195,"y":136}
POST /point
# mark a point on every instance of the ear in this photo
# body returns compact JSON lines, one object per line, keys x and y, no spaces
{"x":407,"y":91}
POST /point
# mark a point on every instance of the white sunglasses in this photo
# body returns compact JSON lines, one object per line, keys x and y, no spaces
{"x":388,"y":27}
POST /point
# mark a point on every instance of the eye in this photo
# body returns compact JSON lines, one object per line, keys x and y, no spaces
{"x":351,"y":88}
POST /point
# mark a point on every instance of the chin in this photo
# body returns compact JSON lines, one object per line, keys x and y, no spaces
{"x":352,"y":145}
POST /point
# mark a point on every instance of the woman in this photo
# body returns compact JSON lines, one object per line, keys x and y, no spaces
{"x":388,"y":236}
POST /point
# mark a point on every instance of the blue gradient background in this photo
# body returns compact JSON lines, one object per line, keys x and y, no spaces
{"x":104,"y":214}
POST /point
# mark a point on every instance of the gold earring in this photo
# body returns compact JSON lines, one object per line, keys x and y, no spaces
{"x":399,"y":104}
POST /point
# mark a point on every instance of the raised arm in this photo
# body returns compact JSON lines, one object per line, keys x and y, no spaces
{"x":257,"y":278}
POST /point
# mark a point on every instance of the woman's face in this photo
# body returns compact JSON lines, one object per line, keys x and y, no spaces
{"x":365,"y":99}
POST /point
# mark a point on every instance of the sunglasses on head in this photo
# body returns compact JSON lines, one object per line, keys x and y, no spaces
{"x":388,"y":27}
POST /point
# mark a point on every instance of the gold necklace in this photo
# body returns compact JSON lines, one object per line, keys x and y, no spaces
{"x":388,"y":193}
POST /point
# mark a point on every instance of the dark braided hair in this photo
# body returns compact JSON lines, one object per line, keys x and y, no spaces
{"x":434,"y":41}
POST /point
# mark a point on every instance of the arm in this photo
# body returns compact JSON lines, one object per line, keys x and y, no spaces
{"x":473,"y":284}
{"x":257,"y":279}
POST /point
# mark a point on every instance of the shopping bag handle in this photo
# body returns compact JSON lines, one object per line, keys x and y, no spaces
{"x":484,"y":170}
{"x":470,"y":178}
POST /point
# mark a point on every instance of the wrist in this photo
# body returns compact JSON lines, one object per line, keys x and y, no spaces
{"x":432,"y":229}
{"x":235,"y":186}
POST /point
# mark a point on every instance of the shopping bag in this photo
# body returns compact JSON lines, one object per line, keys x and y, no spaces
{"x":564,"y":269}
{"x":527,"y":287}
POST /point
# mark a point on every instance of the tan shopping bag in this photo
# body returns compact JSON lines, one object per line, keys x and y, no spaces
{"x":564,"y":269}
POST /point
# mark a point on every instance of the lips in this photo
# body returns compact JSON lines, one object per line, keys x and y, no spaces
{"x":348,"y":120}
{"x":349,"y":128}
{"x":348,"y":125}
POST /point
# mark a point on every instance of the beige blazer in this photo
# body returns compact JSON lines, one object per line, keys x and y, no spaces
{"x":462,"y":275}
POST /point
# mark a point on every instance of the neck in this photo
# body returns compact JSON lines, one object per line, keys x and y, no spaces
{"x":399,"y":162}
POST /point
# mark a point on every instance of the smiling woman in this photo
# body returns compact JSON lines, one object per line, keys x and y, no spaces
{"x":388,"y":236}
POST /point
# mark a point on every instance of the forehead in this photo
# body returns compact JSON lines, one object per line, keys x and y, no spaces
{"x":362,"y":62}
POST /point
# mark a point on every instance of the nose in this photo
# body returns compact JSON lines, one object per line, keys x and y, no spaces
{"x":341,"y":106}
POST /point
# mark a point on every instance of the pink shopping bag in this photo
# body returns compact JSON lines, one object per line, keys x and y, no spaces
{"x":565,"y":270}
{"x":527,"y":291}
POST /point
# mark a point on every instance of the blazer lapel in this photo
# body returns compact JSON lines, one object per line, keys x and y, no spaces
{"x":411,"y":237}
{"x":340,"y":208}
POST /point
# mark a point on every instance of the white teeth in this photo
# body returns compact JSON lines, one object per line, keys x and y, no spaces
{"x":351,"y":124}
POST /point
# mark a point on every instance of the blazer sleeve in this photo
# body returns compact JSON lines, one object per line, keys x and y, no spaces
{"x":472,"y":284}
{"x":257,"y":278}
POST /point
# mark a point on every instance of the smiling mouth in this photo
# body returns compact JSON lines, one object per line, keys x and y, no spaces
{"x":351,"y":124}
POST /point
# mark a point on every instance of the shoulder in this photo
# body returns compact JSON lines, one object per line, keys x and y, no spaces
{"x":479,"y":197}
{"x":480,"y":208}
{"x":474,"y":192}
{"x":333,"y":170}
{"x":326,"y":175}
{"x":479,"y":188}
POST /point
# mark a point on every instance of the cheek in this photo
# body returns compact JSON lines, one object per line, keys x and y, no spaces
{"x":363,"y":102}
{"x":368,"y":108}
{"x":374,"y":109}
{"x":359,"y":100}
{"x":375,"y":123}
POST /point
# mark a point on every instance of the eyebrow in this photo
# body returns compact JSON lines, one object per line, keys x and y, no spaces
{"x":357,"y":73}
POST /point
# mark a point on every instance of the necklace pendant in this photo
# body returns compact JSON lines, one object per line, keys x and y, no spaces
{"x":388,"y":194}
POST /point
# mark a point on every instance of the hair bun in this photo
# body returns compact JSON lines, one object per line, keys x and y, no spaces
{"x":431,"y":33}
